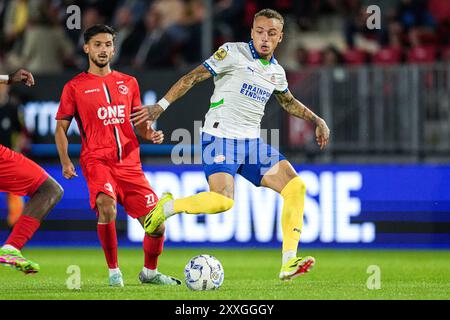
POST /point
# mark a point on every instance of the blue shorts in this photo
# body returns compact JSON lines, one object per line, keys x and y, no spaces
{"x":251,"y":158}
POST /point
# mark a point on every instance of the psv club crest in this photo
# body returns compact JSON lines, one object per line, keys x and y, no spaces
{"x":123,"y":89}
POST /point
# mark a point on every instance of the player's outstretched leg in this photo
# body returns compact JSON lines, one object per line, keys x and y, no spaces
{"x":218,"y":199}
{"x":283,"y":179}
{"x":41,"y":202}
{"x":106,"y":230}
{"x":291,"y":222}
{"x":153,"y":245}
{"x":203,"y":202}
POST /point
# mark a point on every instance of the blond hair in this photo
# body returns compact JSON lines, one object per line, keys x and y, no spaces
{"x":269,"y":13}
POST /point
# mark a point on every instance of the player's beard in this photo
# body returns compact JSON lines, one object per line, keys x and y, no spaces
{"x":100,"y":64}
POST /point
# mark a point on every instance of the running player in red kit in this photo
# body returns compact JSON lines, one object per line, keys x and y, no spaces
{"x":101,"y":101}
{"x":21,"y":176}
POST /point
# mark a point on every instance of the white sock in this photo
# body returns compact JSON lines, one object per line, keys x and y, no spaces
{"x":114,"y":271}
{"x":149,"y":273}
{"x":288,"y":255}
{"x":168,"y":209}
{"x":9,"y":247}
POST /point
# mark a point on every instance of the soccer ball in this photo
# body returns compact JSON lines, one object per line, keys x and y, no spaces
{"x":203,"y":272}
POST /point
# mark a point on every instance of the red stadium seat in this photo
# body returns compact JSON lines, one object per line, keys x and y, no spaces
{"x":440,"y":9}
{"x":422,"y":54}
{"x":355,"y":56}
{"x":445,"y":53}
{"x":428,"y":39}
{"x":315,"y":58}
{"x":387,"y":55}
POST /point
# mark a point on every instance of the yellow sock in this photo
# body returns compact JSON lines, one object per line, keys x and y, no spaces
{"x":203,"y":202}
{"x":292,"y":215}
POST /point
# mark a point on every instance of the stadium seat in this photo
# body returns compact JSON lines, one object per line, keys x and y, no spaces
{"x":387,"y":55}
{"x":422,"y":54}
{"x":445,"y":53}
{"x":428,"y":39}
{"x":355,"y":56}
{"x":315,"y":58}
{"x":439,"y":9}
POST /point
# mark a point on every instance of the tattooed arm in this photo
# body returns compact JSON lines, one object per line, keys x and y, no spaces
{"x":299,"y":110}
{"x":179,"y":89}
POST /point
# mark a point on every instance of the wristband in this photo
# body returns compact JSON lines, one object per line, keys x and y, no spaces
{"x":164,"y":103}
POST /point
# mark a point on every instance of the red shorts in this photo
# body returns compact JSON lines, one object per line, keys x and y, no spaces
{"x":127,"y":185}
{"x":18,"y":174}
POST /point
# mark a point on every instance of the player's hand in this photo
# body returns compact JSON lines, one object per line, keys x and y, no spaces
{"x":157,"y":137}
{"x":322,"y":133}
{"x":22,"y":76}
{"x":146,"y":113}
{"x":69,"y":170}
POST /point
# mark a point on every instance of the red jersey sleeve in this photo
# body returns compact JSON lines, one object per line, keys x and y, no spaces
{"x":136,"y":98}
{"x":67,"y":105}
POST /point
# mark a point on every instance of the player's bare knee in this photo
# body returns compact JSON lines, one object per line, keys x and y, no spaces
{"x":52,"y":190}
{"x":106,"y":214}
{"x":106,"y":207}
{"x":104,"y":200}
{"x":108,"y":210}
{"x":226,"y":191}
{"x":57,"y":191}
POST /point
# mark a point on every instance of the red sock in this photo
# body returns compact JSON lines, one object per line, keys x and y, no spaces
{"x":152,"y":249}
{"x":23,"y":231}
{"x":108,"y":238}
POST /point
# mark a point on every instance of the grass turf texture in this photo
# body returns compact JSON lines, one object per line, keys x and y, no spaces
{"x":249,"y":274}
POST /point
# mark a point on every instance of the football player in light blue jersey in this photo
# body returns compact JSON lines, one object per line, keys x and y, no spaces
{"x":245,"y":76}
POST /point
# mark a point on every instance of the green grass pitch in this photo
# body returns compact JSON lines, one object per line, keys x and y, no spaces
{"x":249,"y":274}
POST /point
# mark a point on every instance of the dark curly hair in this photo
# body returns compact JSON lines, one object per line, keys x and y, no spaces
{"x":98,"y":28}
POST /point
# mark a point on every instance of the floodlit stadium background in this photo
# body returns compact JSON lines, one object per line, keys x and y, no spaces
{"x":383,"y":181}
